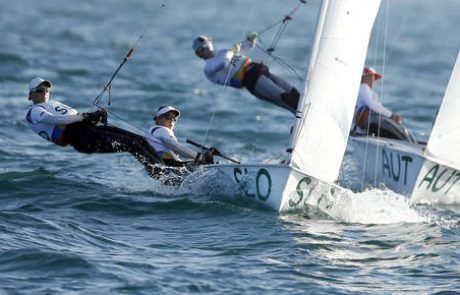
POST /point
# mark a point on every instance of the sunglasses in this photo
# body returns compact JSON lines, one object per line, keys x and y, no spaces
{"x":169,"y":117}
{"x":202,"y":48}
{"x":41,"y":90}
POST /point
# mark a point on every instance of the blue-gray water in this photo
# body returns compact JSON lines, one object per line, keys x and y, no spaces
{"x":96,"y":224}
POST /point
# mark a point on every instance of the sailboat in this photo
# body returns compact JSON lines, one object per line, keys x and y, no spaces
{"x":324,"y":115}
{"x":426,"y":173}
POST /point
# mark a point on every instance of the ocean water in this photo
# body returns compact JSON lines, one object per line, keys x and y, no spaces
{"x":97,"y":224}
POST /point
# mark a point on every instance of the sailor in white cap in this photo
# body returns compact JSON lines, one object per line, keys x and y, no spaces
{"x":161,"y":137}
{"x":371,"y":117}
{"x":230,"y":67}
{"x":86,"y":132}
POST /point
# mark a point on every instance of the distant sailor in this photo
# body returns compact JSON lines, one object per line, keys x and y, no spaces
{"x":161,"y":137}
{"x":86,"y":132}
{"x":371,"y":117}
{"x":232,"y":68}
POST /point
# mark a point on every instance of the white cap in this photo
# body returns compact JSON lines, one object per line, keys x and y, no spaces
{"x":34,"y":83}
{"x":166,"y":109}
{"x":202,"y":42}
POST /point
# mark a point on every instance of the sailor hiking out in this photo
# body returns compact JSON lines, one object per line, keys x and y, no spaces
{"x":86,"y":132}
{"x":230,"y":67}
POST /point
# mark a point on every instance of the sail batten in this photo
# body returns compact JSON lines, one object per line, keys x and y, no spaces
{"x":321,"y":135}
{"x":444,"y":141}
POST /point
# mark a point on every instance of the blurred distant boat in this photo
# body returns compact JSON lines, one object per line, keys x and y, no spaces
{"x":427,"y":173}
{"x":324,"y":114}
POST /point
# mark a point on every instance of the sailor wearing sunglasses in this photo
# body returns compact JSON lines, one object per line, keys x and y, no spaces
{"x":161,"y":137}
{"x":86,"y":132}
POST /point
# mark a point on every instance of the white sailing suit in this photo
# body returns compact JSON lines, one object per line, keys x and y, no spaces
{"x":48,"y":119}
{"x":163,"y":140}
{"x":371,"y":117}
{"x":230,"y":67}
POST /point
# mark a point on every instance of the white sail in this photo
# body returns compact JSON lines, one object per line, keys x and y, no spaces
{"x":319,"y":30}
{"x":321,"y":135}
{"x":444,"y":142}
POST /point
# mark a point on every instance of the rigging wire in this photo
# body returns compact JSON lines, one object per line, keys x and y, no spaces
{"x":382,"y":88}
{"x":227,"y":78}
{"x":385,"y":57}
{"x":281,"y":62}
{"x":366,"y":148}
{"x":277,"y":37}
{"x":382,"y":85}
{"x":283,"y":24}
{"x":107,"y":87}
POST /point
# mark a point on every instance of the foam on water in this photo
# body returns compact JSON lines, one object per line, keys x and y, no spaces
{"x":373,"y":206}
{"x":98,"y":224}
{"x":369,"y":207}
{"x":451,"y":198}
{"x":377,"y":206}
{"x":381,"y":207}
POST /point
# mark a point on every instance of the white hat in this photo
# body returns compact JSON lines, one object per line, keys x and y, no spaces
{"x":166,"y":109}
{"x":202,"y":42}
{"x":34,"y":83}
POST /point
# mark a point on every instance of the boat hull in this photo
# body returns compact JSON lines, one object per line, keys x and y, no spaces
{"x":278,"y":187}
{"x":403,"y":167}
{"x":437,"y":183}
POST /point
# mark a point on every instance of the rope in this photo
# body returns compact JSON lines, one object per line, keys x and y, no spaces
{"x":138,"y":127}
{"x":107,"y":87}
{"x":279,"y":33}
{"x":282,"y":27}
{"x":381,"y":91}
{"x":382,"y":85}
{"x":287,"y":18}
{"x":401,"y":27}
{"x":282,"y":62}
{"x":283,"y":23}
{"x":227,"y":78}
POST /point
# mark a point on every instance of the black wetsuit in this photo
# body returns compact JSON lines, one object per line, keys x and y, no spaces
{"x":88,"y":138}
{"x":385,"y":127}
